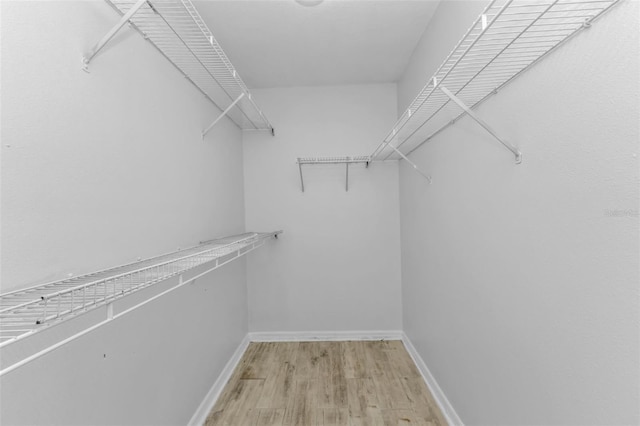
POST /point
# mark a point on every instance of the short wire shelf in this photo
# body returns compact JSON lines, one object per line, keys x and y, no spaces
{"x":331,"y":160}
{"x":26,"y":311}
{"x":176,"y":29}
{"x":507,"y":39}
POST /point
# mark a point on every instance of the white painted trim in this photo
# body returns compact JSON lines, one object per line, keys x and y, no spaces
{"x":212,"y":396}
{"x":327,"y":336}
{"x":445,"y":406}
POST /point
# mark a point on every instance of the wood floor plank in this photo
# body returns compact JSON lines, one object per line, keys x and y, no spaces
{"x":279,"y":386}
{"x":363,"y":403}
{"x":287,"y":352}
{"x":402,"y":362}
{"x":332,"y":384}
{"x":401,"y":417}
{"x":326,"y":383}
{"x":254,"y":354}
{"x":244,"y":416}
{"x":334,"y":417}
{"x":242,"y":364}
{"x":259,"y":362}
{"x":214,"y":417}
{"x":354,"y":360}
{"x":307,"y":360}
{"x":378,"y":362}
{"x":422,"y":401}
{"x":238,"y":405}
{"x":303,"y":409}
{"x":393,"y":345}
{"x":324,"y":353}
{"x":362,"y":395}
{"x":270,"y":417}
{"x":370,"y":417}
{"x":381,"y":345}
{"x":332,"y":391}
{"x":279,"y":381}
{"x":390,"y":392}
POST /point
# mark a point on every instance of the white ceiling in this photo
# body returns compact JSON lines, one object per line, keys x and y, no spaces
{"x":282,"y":43}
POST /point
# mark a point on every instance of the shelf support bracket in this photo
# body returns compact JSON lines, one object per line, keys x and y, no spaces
{"x":481,"y":122}
{"x":86,"y":59}
{"x":301,"y":179}
{"x":415,"y":167}
{"x":225,"y":112}
{"x":346,"y":187}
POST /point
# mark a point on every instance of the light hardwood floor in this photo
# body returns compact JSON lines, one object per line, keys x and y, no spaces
{"x":326,"y":383}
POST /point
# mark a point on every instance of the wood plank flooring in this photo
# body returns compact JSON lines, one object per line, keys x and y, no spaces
{"x":326,"y":383}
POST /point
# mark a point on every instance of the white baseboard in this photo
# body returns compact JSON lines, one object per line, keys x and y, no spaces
{"x":327,"y":336}
{"x":445,"y":406}
{"x":210,"y":399}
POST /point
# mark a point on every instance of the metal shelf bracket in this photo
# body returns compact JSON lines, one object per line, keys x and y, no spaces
{"x":225,"y":112}
{"x":86,"y":59}
{"x":478,"y":120}
{"x":301,"y":178}
{"x":415,"y":167}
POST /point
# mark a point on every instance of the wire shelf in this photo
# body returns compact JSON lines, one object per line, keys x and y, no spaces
{"x":27,"y":311}
{"x":508,"y":38}
{"x":333,"y":160}
{"x":176,"y":29}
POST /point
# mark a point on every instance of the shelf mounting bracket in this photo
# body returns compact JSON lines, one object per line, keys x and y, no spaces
{"x":225,"y":112}
{"x":481,"y":122}
{"x":346,"y":187}
{"x":415,"y":167}
{"x":86,"y":59}
{"x":301,"y":179}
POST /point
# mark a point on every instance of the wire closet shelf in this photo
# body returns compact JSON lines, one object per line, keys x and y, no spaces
{"x":27,"y":311}
{"x":178,"y":31}
{"x":331,"y":160}
{"x":506,"y":39}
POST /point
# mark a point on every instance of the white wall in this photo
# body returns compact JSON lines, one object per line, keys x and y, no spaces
{"x":520,"y":290}
{"x":337,"y":265}
{"x":97,"y":170}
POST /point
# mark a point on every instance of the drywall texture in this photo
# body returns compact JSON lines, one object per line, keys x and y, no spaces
{"x":337,"y":265}
{"x":99,"y":169}
{"x":520,"y":282}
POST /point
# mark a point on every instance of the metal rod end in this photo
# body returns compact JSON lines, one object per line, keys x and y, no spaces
{"x":518,"y":157}
{"x":273,"y":131}
{"x":85,"y":64}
